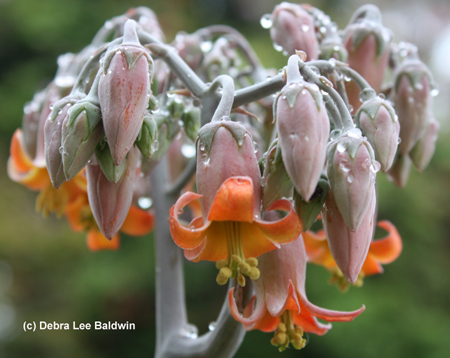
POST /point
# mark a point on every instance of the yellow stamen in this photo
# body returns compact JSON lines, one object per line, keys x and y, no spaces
{"x":52,"y":200}
{"x":236,"y":262}
{"x":287,"y":333}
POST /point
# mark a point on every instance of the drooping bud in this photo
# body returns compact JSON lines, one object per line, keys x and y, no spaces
{"x":349,"y":247}
{"x":191,"y":121}
{"x":189,"y":48}
{"x":82,"y":130}
{"x":124,"y":91}
{"x":332,"y":47}
{"x":147,"y":136}
{"x":110,"y":202}
{"x":379,"y":123}
{"x":303,"y":131}
{"x":367,"y":42}
{"x":399,"y":172}
{"x":109,"y":168}
{"x":147,"y":20}
{"x":309,"y":210}
{"x":293,"y":29}
{"x":275,"y":181}
{"x":51,"y":97}
{"x":423,"y":151}
{"x":351,"y":172}
{"x":225,"y":149}
{"x":53,"y":147}
{"x":412,"y":101}
{"x":30,"y":123}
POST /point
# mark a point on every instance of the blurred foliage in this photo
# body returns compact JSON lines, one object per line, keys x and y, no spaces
{"x":55,"y":277}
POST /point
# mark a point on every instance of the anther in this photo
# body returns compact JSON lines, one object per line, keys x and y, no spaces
{"x":254,"y":273}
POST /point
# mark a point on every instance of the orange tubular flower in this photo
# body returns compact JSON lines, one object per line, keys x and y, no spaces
{"x":281,"y":302}
{"x":232,"y":235}
{"x":23,"y":170}
{"x":382,"y":251}
{"x":79,"y":215}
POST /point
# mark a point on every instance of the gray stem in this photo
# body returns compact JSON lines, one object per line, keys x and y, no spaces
{"x":259,"y":90}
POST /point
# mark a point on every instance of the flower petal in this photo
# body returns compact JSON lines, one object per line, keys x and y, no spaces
{"x":186,"y":237}
{"x":284,"y":230}
{"x":96,"y":241}
{"x":253,"y":314}
{"x":138,"y":222}
{"x":329,"y":315}
{"x":233,"y":201}
{"x":309,"y":323}
{"x":317,"y":248}
{"x":254,"y":242}
{"x":213,"y":248}
{"x":21,"y":169}
{"x":389,"y":248}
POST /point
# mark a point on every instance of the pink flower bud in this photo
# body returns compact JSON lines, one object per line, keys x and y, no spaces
{"x":123,"y":92}
{"x":225,"y":149}
{"x":188,"y":47}
{"x":147,"y":20}
{"x":423,"y":151}
{"x":52,"y":96}
{"x":412,"y":102}
{"x":293,"y":29}
{"x":110,"y":202}
{"x":53,"y":148}
{"x":367,"y":43}
{"x":378,"y":121}
{"x":349,"y":247}
{"x":30,"y":122}
{"x":303,"y":130}
{"x":82,"y":130}
{"x":399,"y":172}
{"x":351,"y":172}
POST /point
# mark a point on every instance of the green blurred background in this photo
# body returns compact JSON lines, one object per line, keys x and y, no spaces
{"x":47,"y":273}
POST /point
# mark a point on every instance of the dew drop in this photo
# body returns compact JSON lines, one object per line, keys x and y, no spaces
{"x":418,"y":86}
{"x":109,"y":72}
{"x":399,"y":140}
{"x":170,"y":95}
{"x":155,"y":146}
{"x":335,"y":133}
{"x":189,"y":331}
{"x":118,"y":52}
{"x":145,"y":202}
{"x":354,"y":133}
{"x":323,"y":29}
{"x":350,"y":179}
{"x":305,"y":28}
{"x":192,"y":228}
{"x":181,"y":211}
{"x":188,"y":150}
{"x":268,"y":78}
{"x":212,"y":326}
{"x":206,"y":46}
{"x":277,"y":47}
{"x":336,"y":48}
{"x":434,"y":92}
{"x":344,"y":167}
{"x":375,"y":167}
{"x":306,"y":138}
{"x":324,"y":93}
{"x":202,"y":147}
{"x":109,"y":25}
{"x":395,"y":118}
{"x":381,"y":96}
{"x":347,"y":79}
{"x":256,"y":146}
{"x":350,"y":108}
{"x":206,"y":158}
{"x":266,"y":21}
{"x":340,"y":148}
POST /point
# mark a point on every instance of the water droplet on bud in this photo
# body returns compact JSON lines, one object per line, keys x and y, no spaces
{"x":266,"y":21}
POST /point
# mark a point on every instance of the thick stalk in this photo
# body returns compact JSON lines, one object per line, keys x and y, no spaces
{"x":170,"y":296}
{"x":259,"y":90}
